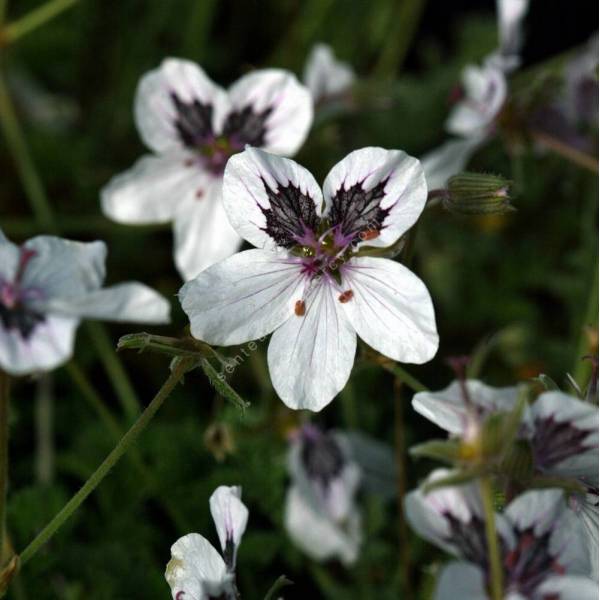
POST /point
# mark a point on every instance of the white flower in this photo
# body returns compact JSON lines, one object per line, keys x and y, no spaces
{"x":321,"y":515}
{"x":192,"y":127}
{"x":511,"y":14}
{"x":324,"y":75}
{"x":305,"y":280}
{"x":196,"y":570}
{"x":47,"y":286}
{"x":540,"y":542}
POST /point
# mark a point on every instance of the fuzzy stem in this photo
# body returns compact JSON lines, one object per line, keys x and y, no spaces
{"x":33,"y":19}
{"x":4,"y":399}
{"x":496,"y":585}
{"x":109,"y":462}
{"x":281,"y":582}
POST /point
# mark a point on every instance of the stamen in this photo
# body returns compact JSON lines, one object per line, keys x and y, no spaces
{"x":300,"y":308}
{"x":368,"y":234}
{"x":346,"y":296}
{"x":199,"y":193}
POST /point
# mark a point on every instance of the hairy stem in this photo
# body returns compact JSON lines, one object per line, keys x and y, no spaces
{"x":109,"y":462}
{"x":496,"y":584}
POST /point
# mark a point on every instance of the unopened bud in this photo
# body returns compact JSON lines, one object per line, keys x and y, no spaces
{"x":478,"y":194}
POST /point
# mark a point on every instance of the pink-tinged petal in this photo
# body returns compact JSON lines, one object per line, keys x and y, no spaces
{"x":285,"y":103}
{"x":375,"y":195}
{"x":178,"y":91}
{"x":203,"y":234}
{"x":485,"y":91}
{"x":449,"y":159}
{"x":390,"y":309}
{"x":271,"y":201}
{"x":243,"y":298}
{"x":154,"y":188}
{"x":324,"y":75}
{"x":231,"y":517}
{"x":461,"y":580}
{"x":311,"y":355}
{"x":316,"y":534}
{"x":49,"y":345}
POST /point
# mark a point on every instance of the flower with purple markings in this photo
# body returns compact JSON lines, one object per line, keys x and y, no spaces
{"x":321,"y":515}
{"x":193,"y":127}
{"x":306,"y":281}
{"x":542,"y":551}
{"x":47,"y":285}
{"x":196,"y":570}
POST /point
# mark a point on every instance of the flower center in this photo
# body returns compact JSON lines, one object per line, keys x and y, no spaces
{"x":321,"y":455}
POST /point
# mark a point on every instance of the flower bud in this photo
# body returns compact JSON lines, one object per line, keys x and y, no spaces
{"x":477,"y":194}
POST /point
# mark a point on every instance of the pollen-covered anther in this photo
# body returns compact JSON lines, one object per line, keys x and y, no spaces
{"x":368,"y":234}
{"x":300,"y":308}
{"x":346,"y":296}
{"x":199,"y":193}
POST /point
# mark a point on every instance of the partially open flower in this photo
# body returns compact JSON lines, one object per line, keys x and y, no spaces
{"x":478,"y":194}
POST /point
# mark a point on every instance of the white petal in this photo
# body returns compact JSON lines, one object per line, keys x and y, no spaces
{"x":391,"y":309}
{"x":289,"y":101}
{"x":230,"y":516}
{"x":568,"y":587}
{"x":510,"y":25}
{"x":49,"y":345}
{"x":402,"y":198}
{"x":9,"y":258}
{"x":195,"y":568}
{"x":133,"y":302}
{"x":310,"y":356}
{"x":536,"y":509}
{"x":485,"y":90}
{"x":324,"y":75}
{"x":203,"y":234}
{"x":449,"y":159}
{"x":460,"y":580}
{"x":154,"y":188}
{"x":63,"y":268}
{"x":319,"y":536}
{"x":447,"y":410}
{"x":155,"y":111}
{"x":585,"y":506}
{"x":246,"y":199}
{"x":242,"y":298}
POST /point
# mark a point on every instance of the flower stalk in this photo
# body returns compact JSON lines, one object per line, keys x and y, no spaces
{"x":181,"y":367}
{"x":496,"y":584}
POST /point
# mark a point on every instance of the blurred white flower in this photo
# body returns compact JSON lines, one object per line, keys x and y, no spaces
{"x":325,"y":76}
{"x":192,"y":127}
{"x":511,"y":14}
{"x":47,"y":286}
{"x":321,"y":515}
{"x":542,"y":550}
{"x":306,"y":280}
{"x":196,"y":570}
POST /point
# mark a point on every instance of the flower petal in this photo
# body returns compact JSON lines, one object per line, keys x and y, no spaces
{"x":375,"y":194}
{"x":447,"y":409}
{"x":511,"y":14}
{"x":319,"y":536}
{"x":231,"y":517}
{"x":285,"y":106}
{"x":324,"y":75}
{"x":311,"y":355}
{"x":9,"y":258}
{"x":177,"y":102}
{"x":49,"y":345}
{"x":132,"y":302}
{"x":270,"y":201}
{"x":203,"y":234}
{"x":390,"y":309}
{"x":461,"y":580}
{"x":153,"y":189}
{"x":568,"y":587}
{"x":242,"y":298}
{"x":449,"y":159}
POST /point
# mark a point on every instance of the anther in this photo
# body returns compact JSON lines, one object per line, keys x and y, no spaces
{"x":300,"y":308}
{"x":346,"y":296}
{"x":368,"y":234}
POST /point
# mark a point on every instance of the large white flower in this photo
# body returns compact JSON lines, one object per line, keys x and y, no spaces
{"x":325,"y":76}
{"x":321,"y":515}
{"x":192,"y":127}
{"x":305,"y":281}
{"x":47,"y":286}
{"x":542,"y":550}
{"x":196,"y":570}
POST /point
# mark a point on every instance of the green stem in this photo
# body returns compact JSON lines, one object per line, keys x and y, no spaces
{"x":405,"y":377}
{"x":44,"y":425}
{"x":114,"y":369}
{"x":33,"y":19}
{"x":4,"y":394}
{"x":109,"y":462}
{"x":2,"y":11}
{"x":281,"y":582}
{"x":25,"y":165}
{"x":492,"y":539}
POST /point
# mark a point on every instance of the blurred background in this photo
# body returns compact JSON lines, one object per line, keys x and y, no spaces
{"x":517,"y":291}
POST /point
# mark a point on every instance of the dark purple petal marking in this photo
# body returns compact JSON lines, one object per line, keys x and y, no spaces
{"x":321,"y":455}
{"x":21,"y":318}
{"x":246,"y":127}
{"x":357,"y":212}
{"x":555,"y":441}
{"x":469,"y":538}
{"x":291,"y":216}
{"x":193,"y":122}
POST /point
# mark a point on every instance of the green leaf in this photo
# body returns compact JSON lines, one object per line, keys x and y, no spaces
{"x":444,"y":450}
